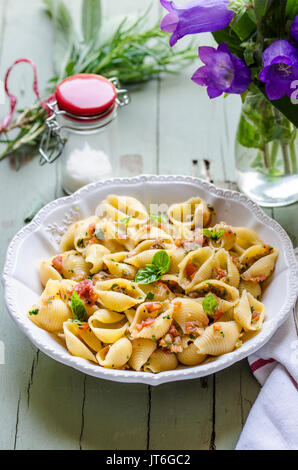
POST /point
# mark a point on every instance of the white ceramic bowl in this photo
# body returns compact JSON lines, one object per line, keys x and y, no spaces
{"x":40,"y":240}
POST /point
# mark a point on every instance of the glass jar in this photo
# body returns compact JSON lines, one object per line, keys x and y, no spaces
{"x":82,"y":130}
{"x":266,"y":153}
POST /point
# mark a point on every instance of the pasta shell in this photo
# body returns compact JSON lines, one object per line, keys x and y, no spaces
{"x":253,"y":288}
{"x":52,"y":313}
{"x":47,"y":271}
{"x":161,"y":312}
{"x":158,"y":291}
{"x":116,"y":266}
{"x":227,"y":296}
{"x":249,"y":313}
{"x":190,"y":356}
{"x":107,"y":332}
{"x":160,"y":361}
{"x":141,"y":351}
{"x":94,"y":255}
{"x":67,"y":240}
{"x":262,"y":268}
{"x":245,"y":237}
{"x":191,"y":213}
{"x":219,"y":338}
{"x":118,"y":208}
{"x":225,"y":269}
{"x":196,"y":267}
{"x":115,"y":356}
{"x":84,"y":231}
{"x":187,"y":310}
{"x":73,"y":343}
{"x":119,"y":294}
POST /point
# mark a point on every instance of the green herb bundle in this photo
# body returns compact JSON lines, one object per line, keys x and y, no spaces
{"x":127,"y":51}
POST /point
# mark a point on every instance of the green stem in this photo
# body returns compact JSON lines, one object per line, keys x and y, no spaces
{"x":293,"y":157}
{"x":265,"y":156}
{"x":274,"y":153}
{"x":285,"y":156}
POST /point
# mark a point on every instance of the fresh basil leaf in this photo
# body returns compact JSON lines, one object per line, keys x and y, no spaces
{"x":147,"y":275}
{"x":100,"y":234}
{"x":78,"y":307}
{"x":91,"y":19}
{"x":162,"y":261}
{"x":210,"y":305}
{"x":213,"y":234}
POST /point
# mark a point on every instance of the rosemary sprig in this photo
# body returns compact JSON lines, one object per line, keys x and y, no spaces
{"x":132,"y":53}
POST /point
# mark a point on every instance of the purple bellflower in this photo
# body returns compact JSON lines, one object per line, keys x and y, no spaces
{"x":294,"y":29}
{"x":223,"y":72}
{"x":197,"y":16}
{"x":280,"y":69}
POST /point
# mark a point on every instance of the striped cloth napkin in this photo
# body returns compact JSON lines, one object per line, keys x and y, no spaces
{"x":273,"y":420}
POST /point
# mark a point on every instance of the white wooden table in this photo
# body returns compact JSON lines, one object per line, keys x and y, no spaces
{"x":44,"y":405}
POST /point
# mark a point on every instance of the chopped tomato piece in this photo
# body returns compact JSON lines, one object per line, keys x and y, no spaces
{"x":84,"y":326}
{"x":57,"y":263}
{"x":149,"y":321}
{"x":153,"y":307}
{"x":191,"y":269}
{"x":91,"y":229}
{"x":220,"y":273}
{"x":216,"y":327}
{"x":177,"y":304}
{"x":173,"y":331}
{"x":86,"y":292}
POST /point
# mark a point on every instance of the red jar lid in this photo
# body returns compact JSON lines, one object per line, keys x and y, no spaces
{"x":86,"y":94}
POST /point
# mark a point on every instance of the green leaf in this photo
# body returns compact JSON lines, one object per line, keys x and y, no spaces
{"x":262,"y":7}
{"x":244,"y":27}
{"x":285,"y":106}
{"x":292,"y":9}
{"x":78,"y":307}
{"x":231,"y":38}
{"x":162,"y":261}
{"x":210,"y":305}
{"x":147,"y":275}
{"x":213,"y":234}
{"x":64,"y":35}
{"x":91,"y":19}
{"x":149,"y":296}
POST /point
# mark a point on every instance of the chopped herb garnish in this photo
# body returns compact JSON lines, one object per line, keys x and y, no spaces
{"x":125,"y":220}
{"x":149,"y":296}
{"x":34,"y":312}
{"x":210,"y":305}
{"x":100,"y":234}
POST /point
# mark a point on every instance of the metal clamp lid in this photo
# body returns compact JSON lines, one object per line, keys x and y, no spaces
{"x":52,"y":143}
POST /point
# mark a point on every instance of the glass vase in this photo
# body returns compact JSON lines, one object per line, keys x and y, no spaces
{"x":266,"y":153}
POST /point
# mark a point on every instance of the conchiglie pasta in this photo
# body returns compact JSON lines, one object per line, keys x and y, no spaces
{"x":190,"y":356}
{"x":142,"y":349}
{"x":262,"y":268}
{"x":119,"y":294}
{"x":219,"y":338}
{"x":75,"y":346}
{"x":196,"y":267}
{"x":47,"y":271}
{"x":188,"y":310}
{"x":94,"y":255}
{"x":115,"y":356}
{"x":227,"y":296}
{"x":107,"y":332}
{"x":249,"y":313}
{"x":160,"y":361}
{"x":225,"y":269}
{"x":196,"y":308}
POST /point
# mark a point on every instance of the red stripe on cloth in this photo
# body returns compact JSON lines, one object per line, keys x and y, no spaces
{"x":260,"y":363}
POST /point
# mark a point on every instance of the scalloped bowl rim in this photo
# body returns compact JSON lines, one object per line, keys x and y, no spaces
{"x":145,"y":377}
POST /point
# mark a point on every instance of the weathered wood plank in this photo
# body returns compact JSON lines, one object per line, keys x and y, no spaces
{"x":181,"y":415}
{"x":287,"y":217}
{"x":115,"y":415}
